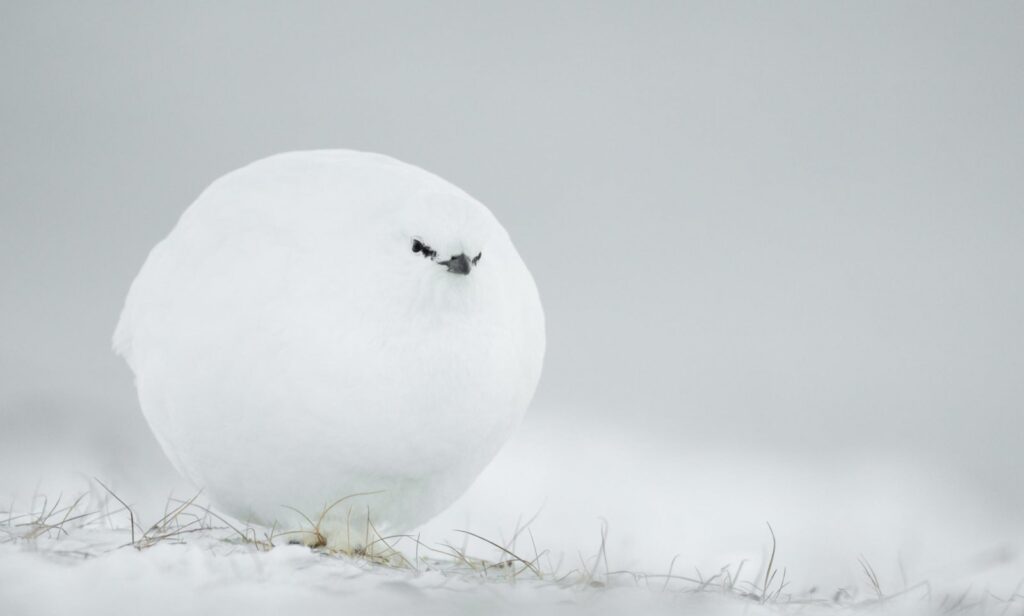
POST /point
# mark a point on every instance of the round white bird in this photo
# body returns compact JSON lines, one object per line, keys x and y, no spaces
{"x":334,"y":342}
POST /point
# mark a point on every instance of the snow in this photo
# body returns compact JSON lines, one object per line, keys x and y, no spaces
{"x":692,"y":511}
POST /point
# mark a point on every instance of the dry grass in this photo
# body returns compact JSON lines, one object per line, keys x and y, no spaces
{"x":503,"y":561}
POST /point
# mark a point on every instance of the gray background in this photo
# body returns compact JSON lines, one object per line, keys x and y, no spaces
{"x":764,"y":227}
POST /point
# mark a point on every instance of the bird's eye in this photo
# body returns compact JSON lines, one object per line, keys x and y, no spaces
{"x":419,"y":246}
{"x":477,"y":257}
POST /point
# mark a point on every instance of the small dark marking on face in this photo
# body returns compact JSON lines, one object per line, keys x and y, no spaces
{"x":459,"y":264}
{"x":476,"y":259}
{"x":419,"y":246}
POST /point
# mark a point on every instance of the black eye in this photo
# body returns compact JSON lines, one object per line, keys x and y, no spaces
{"x":419,"y":246}
{"x":477,"y":258}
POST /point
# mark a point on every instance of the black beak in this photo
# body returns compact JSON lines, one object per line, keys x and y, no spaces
{"x":458,"y":265}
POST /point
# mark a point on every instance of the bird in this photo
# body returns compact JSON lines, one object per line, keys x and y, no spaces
{"x":333,"y":342}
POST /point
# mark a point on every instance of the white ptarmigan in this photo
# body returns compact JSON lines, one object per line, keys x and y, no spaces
{"x":331,"y":324}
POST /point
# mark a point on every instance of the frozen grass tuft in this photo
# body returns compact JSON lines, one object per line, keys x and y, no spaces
{"x":100,"y":522}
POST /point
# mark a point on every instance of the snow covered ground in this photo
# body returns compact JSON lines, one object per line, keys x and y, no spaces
{"x":684,"y":529}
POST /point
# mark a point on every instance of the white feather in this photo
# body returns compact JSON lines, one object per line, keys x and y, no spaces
{"x":290,"y":348}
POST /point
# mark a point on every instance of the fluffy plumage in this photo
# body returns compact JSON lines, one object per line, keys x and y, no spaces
{"x":291,"y":348}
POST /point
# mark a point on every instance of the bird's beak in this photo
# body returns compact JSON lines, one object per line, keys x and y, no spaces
{"x":458,"y":265}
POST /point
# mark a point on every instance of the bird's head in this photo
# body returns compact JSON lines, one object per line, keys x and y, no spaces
{"x":448,"y":233}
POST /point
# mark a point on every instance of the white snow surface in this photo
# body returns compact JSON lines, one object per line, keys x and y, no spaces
{"x":692,"y":513}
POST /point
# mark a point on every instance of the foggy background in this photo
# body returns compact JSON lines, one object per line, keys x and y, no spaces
{"x":778,"y":229}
